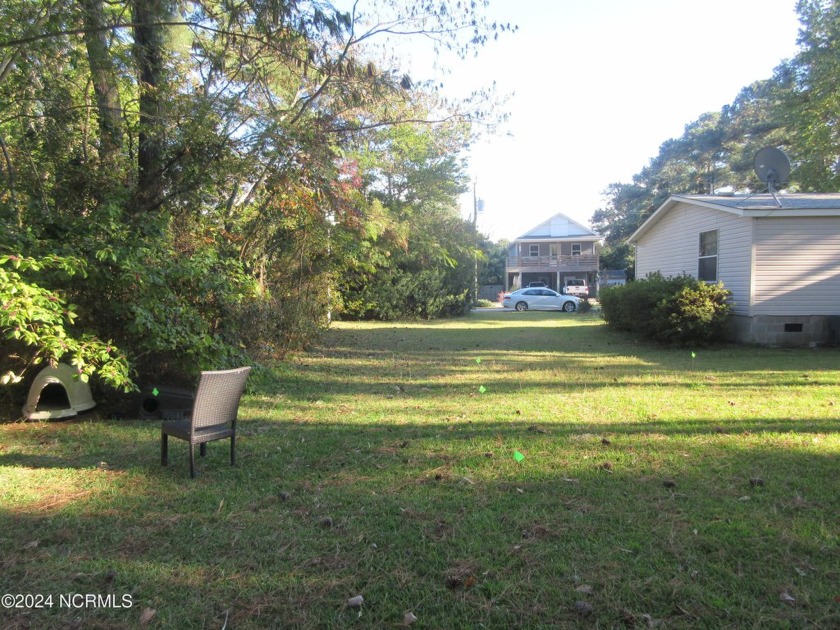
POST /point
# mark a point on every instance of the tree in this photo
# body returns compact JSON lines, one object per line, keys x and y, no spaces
{"x":491,"y":269}
{"x":813,"y":102}
{"x":419,"y":259}
{"x":190,"y":156}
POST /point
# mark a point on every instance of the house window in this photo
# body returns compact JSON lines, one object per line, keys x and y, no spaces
{"x":708,"y":259}
{"x":575,"y":249}
{"x":533,"y":250}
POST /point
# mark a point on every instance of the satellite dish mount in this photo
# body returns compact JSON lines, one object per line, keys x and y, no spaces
{"x":773,"y":168}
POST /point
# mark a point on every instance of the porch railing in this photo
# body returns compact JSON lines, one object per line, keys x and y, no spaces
{"x":582,"y":262}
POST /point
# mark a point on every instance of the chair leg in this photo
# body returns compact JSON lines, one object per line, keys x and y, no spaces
{"x":203,"y":449}
{"x":164,"y":449}
{"x":233,"y":450}
{"x":192,"y":461}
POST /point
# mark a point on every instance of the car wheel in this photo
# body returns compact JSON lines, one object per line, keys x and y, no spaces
{"x":521,"y":306}
{"x":568,"y":306}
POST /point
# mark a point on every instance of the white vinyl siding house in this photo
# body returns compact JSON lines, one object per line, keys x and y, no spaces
{"x":781,"y":262}
{"x":673,"y":248}
{"x":797,"y":266}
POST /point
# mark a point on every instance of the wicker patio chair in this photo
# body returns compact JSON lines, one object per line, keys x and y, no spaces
{"x":213,"y":415}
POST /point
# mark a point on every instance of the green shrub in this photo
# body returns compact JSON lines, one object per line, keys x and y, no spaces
{"x":38,"y":325}
{"x":395,"y":294}
{"x":678,"y":310}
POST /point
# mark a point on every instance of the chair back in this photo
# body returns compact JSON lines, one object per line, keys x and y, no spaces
{"x":217,"y":397}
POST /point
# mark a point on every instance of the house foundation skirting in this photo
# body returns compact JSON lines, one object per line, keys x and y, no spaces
{"x":786,"y":330}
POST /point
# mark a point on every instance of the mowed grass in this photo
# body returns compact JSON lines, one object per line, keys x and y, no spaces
{"x":668,"y":488}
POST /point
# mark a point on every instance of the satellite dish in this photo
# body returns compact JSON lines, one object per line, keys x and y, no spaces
{"x":771,"y":166}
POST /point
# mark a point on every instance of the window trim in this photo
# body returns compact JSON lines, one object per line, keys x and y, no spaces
{"x":531,"y":253}
{"x":579,"y":249}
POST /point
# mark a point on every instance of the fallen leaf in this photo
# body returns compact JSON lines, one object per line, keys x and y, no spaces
{"x":787,"y":598}
{"x":356,"y":602}
{"x":409,"y":619}
{"x":146,"y":615}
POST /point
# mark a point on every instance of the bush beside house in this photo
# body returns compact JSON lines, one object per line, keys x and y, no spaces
{"x":679,"y":310}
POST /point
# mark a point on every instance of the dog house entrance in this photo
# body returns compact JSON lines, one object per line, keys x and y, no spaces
{"x":53,"y":398}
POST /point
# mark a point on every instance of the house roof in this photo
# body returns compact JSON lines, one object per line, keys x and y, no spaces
{"x":758,"y":206}
{"x":558,"y":228}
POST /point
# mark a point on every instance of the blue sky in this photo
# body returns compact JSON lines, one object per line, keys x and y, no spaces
{"x":599,"y":85}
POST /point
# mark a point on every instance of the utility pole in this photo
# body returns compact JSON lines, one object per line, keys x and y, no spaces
{"x":478,"y":206}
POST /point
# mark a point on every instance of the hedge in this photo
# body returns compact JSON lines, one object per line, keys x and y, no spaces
{"x":677,"y":310}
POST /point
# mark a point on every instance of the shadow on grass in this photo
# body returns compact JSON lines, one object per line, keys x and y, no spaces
{"x":440,"y":521}
{"x":566,"y":352}
{"x":131,"y":445}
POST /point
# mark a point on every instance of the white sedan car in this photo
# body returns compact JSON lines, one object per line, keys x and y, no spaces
{"x":540,"y":299}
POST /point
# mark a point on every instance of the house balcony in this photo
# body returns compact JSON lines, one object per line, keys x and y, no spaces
{"x":581,"y":262}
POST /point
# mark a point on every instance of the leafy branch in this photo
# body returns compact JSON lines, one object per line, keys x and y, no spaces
{"x":41,"y":320}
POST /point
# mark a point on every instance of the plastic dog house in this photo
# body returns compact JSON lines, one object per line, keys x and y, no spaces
{"x":57,"y":393}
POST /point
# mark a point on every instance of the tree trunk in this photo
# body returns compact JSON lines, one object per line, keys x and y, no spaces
{"x":105,"y":86}
{"x":149,"y":57}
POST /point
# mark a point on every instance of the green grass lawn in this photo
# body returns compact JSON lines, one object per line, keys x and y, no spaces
{"x":667,"y":488}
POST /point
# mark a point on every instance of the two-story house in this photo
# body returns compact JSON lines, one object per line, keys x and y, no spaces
{"x":555,"y":252}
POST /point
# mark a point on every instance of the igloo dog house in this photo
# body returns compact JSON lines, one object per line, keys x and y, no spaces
{"x":57,"y":393}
